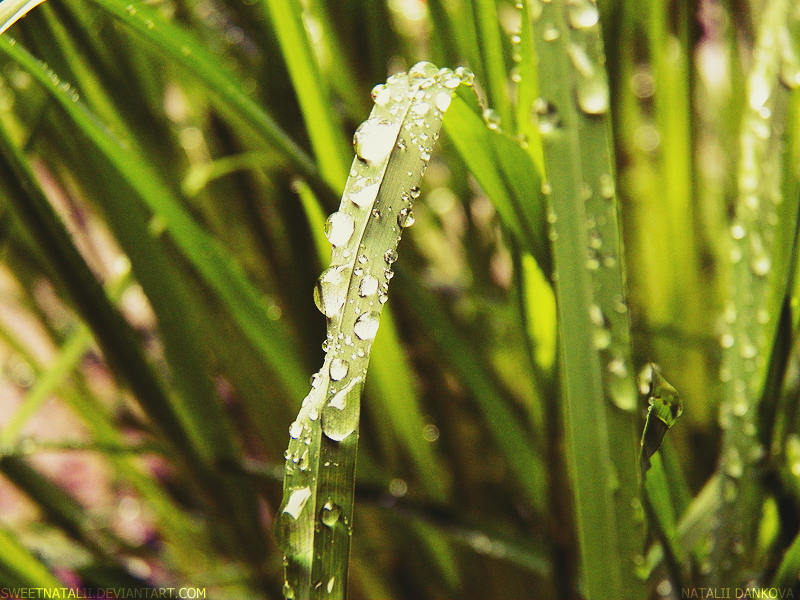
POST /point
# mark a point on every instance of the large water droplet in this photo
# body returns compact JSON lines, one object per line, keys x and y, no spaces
{"x":405,"y":218}
{"x":296,"y":430}
{"x":420,"y":108}
{"x":340,"y":415}
{"x":330,"y":291}
{"x":297,"y":502}
{"x":363,"y":194}
{"x":338,"y":369}
{"x":442,"y":101}
{"x":330,"y":513}
{"x":375,"y":138}
{"x":422,"y":70}
{"x":366,"y":326}
{"x":339,"y":228}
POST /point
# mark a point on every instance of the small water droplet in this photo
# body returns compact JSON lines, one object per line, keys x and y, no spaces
{"x":733,"y":463}
{"x":369,"y":285}
{"x":551,"y":33}
{"x":726,"y":341}
{"x":607,"y":186}
{"x":422,"y":70}
{"x":466,"y":75}
{"x":761,"y":265}
{"x":420,"y":109}
{"x":737,"y":232}
{"x":405,"y":218}
{"x":375,"y":138}
{"x":582,"y":14}
{"x":414,"y":192}
{"x":339,"y":228}
{"x":390,"y":256}
{"x":593,"y":95}
{"x":546,"y":116}
{"x":330,"y":513}
{"x":340,"y":415}
{"x":491,"y":118}
{"x":366,"y":326}
{"x":331,"y":583}
{"x":339,"y":369}
{"x":288,"y":591}
{"x":131,"y":9}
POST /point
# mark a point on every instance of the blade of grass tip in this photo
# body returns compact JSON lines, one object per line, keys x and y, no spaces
{"x":12,"y":11}
{"x":311,"y":90}
{"x":528,"y":86}
{"x":764,"y":226}
{"x":18,"y":567}
{"x":182,"y":48}
{"x":487,"y":24}
{"x":392,"y":149}
{"x":598,"y":384}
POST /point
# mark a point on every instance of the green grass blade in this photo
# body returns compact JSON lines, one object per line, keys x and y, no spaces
{"x":764,"y":226}
{"x":495,"y":75}
{"x":182,"y":48}
{"x":600,"y":393}
{"x":393,"y":147}
{"x":312,"y":93}
{"x":507,"y":175}
{"x":18,"y":567}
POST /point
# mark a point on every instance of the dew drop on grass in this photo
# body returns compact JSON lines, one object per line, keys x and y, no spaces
{"x":582,"y":14}
{"x":405,"y":218}
{"x":341,"y":413}
{"x":331,"y":583}
{"x":330,"y":291}
{"x":369,"y":285}
{"x":364,"y":193}
{"x":420,"y":108}
{"x":491,"y":118}
{"x":761,"y":265}
{"x":381,"y":94}
{"x":442,"y":101}
{"x":338,"y":369}
{"x":414,"y":192}
{"x":593,"y":96}
{"x":297,"y":502}
{"x":545,"y":116}
{"x":339,"y":228}
{"x":733,"y":463}
{"x":422,"y":70}
{"x":551,"y":33}
{"x":390,"y":256}
{"x":295,"y":430}
{"x":366,"y":326}
{"x":330,"y":513}
{"x":374,"y":139}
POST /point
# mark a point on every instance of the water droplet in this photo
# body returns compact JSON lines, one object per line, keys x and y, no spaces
{"x":593,"y":95}
{"x":339,"y":228}
{"x":551,"y":33}
{"x":420,"y":109}
{"x":363,"y":193}
{"x":131,"y":9}
{"x":466,"y":75}
{"x":761,"y":265}
{"x":606,"y":186}
{"x":546,"y":116}
{"x":288,"y":591}
{"x":422,"y":70}
{"x":366,"y":326}
{"x":582,"y":14}
{"x":414,"y":192}
{"x":369,"y":285}
{"x":330,"y":513}
{"x":295,"y":430}
{"x":390,"y":256}
{"x":737,"y":231}
{"x":330,"y":585}
{"x":405,"y":218}
{"x":330,"y":291}
{"x":297,"y":502}
{"x":726,"y":341}
{"x":381,"y":94}
{"x":733,"y":463}
{"x":602,"y":338}
{"x":442,"y":101}
{"x":491,"y":118}
{"x":339,"y":369}
{"x":375,"y":138}
{"x":581,"y":61}
{"x":340,"y":415}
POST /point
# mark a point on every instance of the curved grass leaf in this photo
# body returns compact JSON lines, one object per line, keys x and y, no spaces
{"x":392,"y":149}
{"x":12,"y":11}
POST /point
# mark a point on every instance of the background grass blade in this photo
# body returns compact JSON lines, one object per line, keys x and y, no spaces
{"x":600,"y":393}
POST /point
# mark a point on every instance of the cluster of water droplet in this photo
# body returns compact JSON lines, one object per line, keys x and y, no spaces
{"x":399,"y":135}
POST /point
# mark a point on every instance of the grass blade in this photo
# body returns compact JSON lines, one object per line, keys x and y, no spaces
{"x":393,"y":147}
{"x":600,"y":394}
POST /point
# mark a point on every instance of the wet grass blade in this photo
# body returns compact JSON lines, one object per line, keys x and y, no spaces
{"x":12,"y":11}
{"x":393,"y":147}
{"x":597,"y":373}
{"x":764,"y":227}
